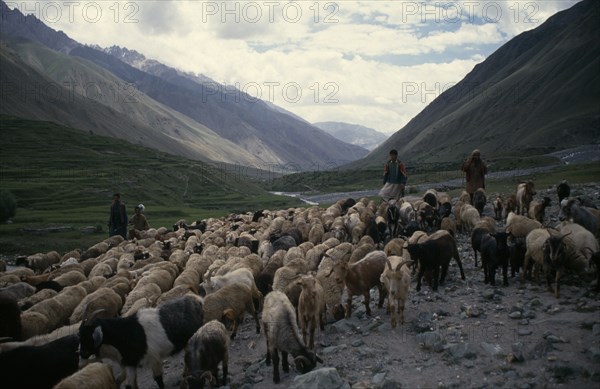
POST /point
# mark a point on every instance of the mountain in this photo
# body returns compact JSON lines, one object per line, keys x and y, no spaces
{"x":263,"y":136}
{"x":260,"y":127}
{"x":353,"y":133}
{"x":538,"y":93}
{"x":44,"y":84}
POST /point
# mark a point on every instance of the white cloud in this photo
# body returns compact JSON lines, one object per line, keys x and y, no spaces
{"x":382,"y":61}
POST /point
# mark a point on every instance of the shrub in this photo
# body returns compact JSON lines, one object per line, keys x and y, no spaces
{"x":8,"y":205}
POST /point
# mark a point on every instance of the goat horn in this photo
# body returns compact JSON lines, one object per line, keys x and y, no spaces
{"x":387,"y":261}
{"x":93,"y":315}
{"x":405,"y":262}
{"x":301,"y":358}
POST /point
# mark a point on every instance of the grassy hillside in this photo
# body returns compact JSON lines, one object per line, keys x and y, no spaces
{"x":65,"y":177}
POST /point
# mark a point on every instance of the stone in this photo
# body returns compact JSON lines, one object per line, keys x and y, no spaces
{"x":333,"y":349}
{"x":595,"y":353}
{"x":515,"y":315}
{"x":596,"y":329}
{"x":431,"y":341}
{"x":324,"y":378}
{"x":492,"y":349}
{"x":357,"y":343}
{"x":343,"y":326}
{"x":524,"y":331}
{"x":458,"y":351}
{"x":488,"y":294}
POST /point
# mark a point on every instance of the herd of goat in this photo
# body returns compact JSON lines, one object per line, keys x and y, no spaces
{"x":90,"y":319}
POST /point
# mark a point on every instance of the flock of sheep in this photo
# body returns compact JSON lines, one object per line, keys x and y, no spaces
{"x":90,"y":319}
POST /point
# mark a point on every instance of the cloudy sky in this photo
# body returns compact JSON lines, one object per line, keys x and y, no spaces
{"x":374,"y":63}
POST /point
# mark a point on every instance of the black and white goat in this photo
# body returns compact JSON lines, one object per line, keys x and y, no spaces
{"x":147,"y":337}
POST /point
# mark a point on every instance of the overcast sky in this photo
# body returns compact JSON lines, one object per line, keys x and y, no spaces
{"x":374,"y":63}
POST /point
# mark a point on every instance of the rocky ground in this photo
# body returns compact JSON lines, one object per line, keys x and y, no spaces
{"x":467,"y":334}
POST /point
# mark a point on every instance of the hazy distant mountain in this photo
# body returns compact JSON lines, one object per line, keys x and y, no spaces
{"x":538,"y":93}
{"x":268,"y":135}
{"x":353,"y":133}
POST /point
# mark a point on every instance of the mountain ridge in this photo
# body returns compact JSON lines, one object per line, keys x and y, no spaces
{"x":539,"y":92}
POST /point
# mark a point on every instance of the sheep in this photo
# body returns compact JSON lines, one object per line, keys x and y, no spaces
{"x":282,"y":335}
{"x":469,"y":216}
{"x":444,"y":205}
{"x":447,"y":224}
{"x":331,"y":277}
{"x":17,"y":291}
{"x":311,"y":308}
{"x":40,"y":261}
{"x":534,"y":242}
{"x":427,"y":216}
{"x":555,"y":258}
{"x":433,"y":253}
{"x":511,"y":205}
{"x":95,"y":251}
{"x":264,"y":281}
{"x":53,"y":361}
{"x":456,"y":211}
{"x":479,"y":200}
{"x":396,"y":279}
{"x":208,"y":347}
{"x":149,"y":291}
{"x":520,"y":226}
{"x":584,"y":241}
{"x":238,"y":298}
{"x":497,"y":205}
{"x":54,"y":311}
{"x":525,"y":193}
{"x":537,"y":209}
{"x":363,"y":275}
{"x":177,"y":291}
{"x":563,"y":191}
{"x":212,"y":284}
{"x":146,"y":337}
{"x":71,"y":278}
{"x":464,"y":197}
{"x":28,"y":302}
{"x":95,"y":375}
{"x":571,"y":211}
{"x":103,"y":298}
{"x":102,"y":269}
{"x":431,"y":198}
{"x":161,"y":277}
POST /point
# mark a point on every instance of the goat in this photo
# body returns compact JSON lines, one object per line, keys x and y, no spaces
{"x":433,"y":253}
{"x":525,"y":193}
{"x":146,"y":337}
{"x":282,"y":334}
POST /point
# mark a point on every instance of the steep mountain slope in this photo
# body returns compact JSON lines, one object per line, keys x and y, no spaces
{"x":355,"y":134}
{"x":48,"y":85}
{"x":266,"y":134}
{"x":254,"y":124}
{"x":539,"y":92}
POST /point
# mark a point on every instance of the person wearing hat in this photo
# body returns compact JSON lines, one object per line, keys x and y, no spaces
{"x":138,"y":221}
{"x":394,"y":178}
{"x":475,"y":170}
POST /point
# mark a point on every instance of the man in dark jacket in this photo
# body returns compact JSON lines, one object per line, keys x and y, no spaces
{"x":117,"y":222}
